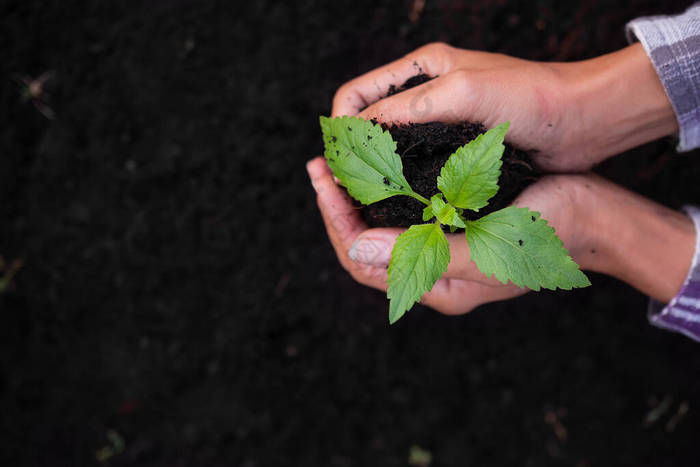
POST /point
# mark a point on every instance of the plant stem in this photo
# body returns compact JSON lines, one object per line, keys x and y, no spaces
{"x":415,"y":195}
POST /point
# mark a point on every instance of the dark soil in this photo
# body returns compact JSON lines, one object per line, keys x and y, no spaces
{"x":424,"y":148}
{"x":179,"y":291}
{"x":411,"y":82}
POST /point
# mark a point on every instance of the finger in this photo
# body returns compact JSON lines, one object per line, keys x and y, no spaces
{"x":448,"y":296}
{"x":342,"y":219}
{"x":374,"y":246}
{"x":343,"y":223}
{"x":450,"y":98}
{"x":454,"y":296}
{"x":432,"y":59}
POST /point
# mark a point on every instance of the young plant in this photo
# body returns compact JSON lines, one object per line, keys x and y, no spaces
{"x":513,"y":243}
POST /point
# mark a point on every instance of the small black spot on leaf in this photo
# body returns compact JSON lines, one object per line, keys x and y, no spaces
{"x":533,"y":218}
{"x":520,"y":242}
{"x":349,"y":129}
{"x":369,"y":137}
{"x":334,"y":139}
{"x":385,"y":180}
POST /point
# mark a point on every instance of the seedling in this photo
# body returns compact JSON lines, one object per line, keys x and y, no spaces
{"x":513,"y":244}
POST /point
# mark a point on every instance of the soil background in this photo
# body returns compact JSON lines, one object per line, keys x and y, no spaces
{"x":179,"y":294}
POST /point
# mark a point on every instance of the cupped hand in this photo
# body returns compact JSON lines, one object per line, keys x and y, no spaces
{"x":365,"y":253}
{"x":573,"y":115}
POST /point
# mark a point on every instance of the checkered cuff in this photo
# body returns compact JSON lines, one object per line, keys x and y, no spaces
{"x":673,"y":45}
{"x":682,"y":314}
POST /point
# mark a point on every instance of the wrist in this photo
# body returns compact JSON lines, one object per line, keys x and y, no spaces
{"x":617,"y":103}
{"x":636,"y":240}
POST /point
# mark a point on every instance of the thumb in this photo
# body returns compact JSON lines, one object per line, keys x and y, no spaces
{"x":373,"y":247}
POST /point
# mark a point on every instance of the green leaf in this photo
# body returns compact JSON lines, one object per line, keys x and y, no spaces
{"x":515,"y":244}
{"x":428,"y":213}
{"x":364,"y":158}
{"x":419,"y":258}
{"x":444,"y":212}
{"x":469,"y":178}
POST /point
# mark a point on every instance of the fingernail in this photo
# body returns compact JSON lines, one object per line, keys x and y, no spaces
{"x":308,"y":168}
{"x":313,"y":176}
{"x":372,"y":251}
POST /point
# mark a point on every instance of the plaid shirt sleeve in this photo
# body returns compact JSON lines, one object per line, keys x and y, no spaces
{"x":673,"y":45}
{"x":682,"y":313}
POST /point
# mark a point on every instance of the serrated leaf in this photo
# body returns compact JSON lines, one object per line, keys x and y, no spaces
{"x":364,"y":158}
{"x":515,"y":244}
{"x":445,"y":213}
{"x":469,"y":178}
{"x":419,"y":258}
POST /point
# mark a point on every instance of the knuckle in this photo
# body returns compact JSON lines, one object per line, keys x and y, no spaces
{"x":341,"y":92}
{"x":437,"y":52}
{"x":377,"y":275}
{"x":355,"y":270}
{"x":462,"y":80}
{"x":365,"y":275}
{"x":438,"y":48}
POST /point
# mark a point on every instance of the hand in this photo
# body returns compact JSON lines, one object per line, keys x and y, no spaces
{"x":604,"y":227}
{"x":573,"y":114}
{"x":365,"y":253}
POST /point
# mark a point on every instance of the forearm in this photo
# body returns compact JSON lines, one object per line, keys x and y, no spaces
{"x":618,"y":102}
{"x":636,"y":240}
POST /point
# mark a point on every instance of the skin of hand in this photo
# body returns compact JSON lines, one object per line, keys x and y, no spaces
{"x":573,"y":115}
{"x":605,"y":228}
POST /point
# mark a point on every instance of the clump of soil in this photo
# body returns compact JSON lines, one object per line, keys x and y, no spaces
{"x":411,"y":82}
{"x":424,"y":148}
